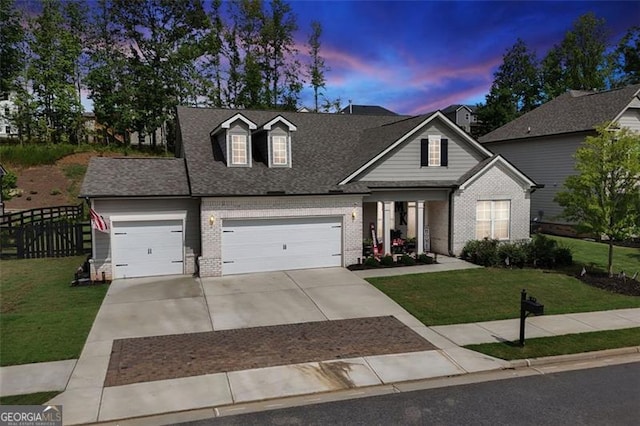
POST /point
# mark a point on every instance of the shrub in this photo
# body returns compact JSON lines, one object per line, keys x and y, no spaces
{"x":9,"y":182}
{"x":407,"y":260}
{"x":387,"y":260}
{"x":563,"y":256}
{"x":424,"y":258}
{"x":371,"y":262}
{"x":541,"y":251}
{"x":516,"y":252}
{"x":481,"y":252}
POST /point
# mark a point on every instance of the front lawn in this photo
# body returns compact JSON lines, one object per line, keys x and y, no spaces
{"x":487,"y":294}
{"x":561,"y":345}
{"x":592,"y":253}
{"x":42,"y":317}
{"x":29,"y":399}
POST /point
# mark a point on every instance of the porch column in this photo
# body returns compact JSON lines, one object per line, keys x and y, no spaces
{"x":379,"y":220}
{"x":411,"y":219}
{"x":386,"y":226}
{"x":419,"y":227}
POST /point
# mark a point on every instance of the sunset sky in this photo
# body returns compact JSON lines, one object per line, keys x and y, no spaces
{"x":417,"y":56}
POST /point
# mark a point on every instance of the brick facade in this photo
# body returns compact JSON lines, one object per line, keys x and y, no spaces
{"x":494,"y":184}
{"x":213,"y":212}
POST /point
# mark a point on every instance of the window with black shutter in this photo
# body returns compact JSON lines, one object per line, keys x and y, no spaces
{"x":424,"y":152}
{"x":444,"y":152}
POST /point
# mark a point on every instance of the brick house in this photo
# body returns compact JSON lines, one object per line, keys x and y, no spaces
{"x":256,"y":191}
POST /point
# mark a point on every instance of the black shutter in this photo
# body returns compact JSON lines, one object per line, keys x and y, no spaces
{"x":424,"y":152}
{"x":444,"y":152}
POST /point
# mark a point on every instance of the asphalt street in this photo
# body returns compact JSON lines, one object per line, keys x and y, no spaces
{"x":597,"y":396}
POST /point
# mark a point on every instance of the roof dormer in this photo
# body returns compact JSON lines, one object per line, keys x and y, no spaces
{"x":278,"y":132}
{"x":234,"y":138}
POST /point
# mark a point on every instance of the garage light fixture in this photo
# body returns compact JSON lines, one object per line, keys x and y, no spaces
{"x":212,"y":220}
{"x":353,"y":214}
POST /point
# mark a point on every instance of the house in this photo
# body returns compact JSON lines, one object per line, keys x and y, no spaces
{"x":256,"y":191}
{"x":366,"y":110}
{"x":542,"y":142}
{"x":463,"y":115}
{"x":7,"y":110}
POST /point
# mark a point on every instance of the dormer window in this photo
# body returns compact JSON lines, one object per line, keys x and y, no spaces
{"x":279,"y":131}
{"x":239,"y":150}
{"x":233,"y":136}
{"x":279,"y":150}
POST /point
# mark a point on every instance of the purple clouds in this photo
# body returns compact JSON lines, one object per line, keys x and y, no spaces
{"x":414,"y":57}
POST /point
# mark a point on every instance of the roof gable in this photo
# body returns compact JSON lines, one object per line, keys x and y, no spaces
{"x":416,"y":125}
{"x":227,"y":123}
{"x":280,"y":119}
{"x":496,"y":161}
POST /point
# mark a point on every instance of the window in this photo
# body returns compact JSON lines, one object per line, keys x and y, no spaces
{"x":239,"y":149}
{"x":492,"y":219}
{"x":7,"y":130}
{"x":434,"y":152}
{"x":279,"y":150}
{"x":7,"y":113}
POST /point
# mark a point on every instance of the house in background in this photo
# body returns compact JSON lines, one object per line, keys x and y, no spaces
{"x":542,"y":142}
{"x":366,"y":110}
{"x":7,"y":109}
{"x":254,"y":191}
{"x":463,"y":115}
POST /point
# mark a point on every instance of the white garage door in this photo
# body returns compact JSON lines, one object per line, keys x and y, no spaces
{"x":146,"y":248}
{"x":280,"y":244}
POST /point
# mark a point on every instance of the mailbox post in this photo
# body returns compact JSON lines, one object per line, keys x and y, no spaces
{"x":528,"y":306}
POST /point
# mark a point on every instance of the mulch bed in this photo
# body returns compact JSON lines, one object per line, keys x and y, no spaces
{"x":182,"y":355}
{"x":626,"y":286}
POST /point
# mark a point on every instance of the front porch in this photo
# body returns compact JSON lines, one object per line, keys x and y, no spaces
{"x":411,"y":221}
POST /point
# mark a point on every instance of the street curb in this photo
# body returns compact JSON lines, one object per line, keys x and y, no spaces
{"x":584,"y":356}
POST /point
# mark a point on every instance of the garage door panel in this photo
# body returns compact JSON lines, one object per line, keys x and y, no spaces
{"x":281,"y":244}
{"x":147,"y":248}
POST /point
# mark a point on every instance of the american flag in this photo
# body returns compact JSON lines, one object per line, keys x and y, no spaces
{"x":97,"y":222}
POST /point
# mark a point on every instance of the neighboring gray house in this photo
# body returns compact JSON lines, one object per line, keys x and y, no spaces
{"x":542,"y":142}
{"x":463,"y":115}
{"x":265,"y":190}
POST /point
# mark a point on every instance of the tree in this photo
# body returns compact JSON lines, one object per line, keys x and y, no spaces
{"x":579,"y":62}
{"x":11,"y":37}
{"x":604,"y":197}
{"x":317,"y":67}
{"x":163,"y":40}
{"x":56,"y":51}
{"x":516,"y":88}
{"x":627,"y":58}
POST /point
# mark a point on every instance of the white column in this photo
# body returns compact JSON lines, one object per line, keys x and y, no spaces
{"x":411,"y":219}
{"x":386,"y":226}
{"x":419,"y":227}
{"x":379,"y":219}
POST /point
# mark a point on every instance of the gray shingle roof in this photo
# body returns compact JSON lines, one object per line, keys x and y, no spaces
{"x":325,"y":149}
{"x":366,"y":110}
{"x":574,"y":111}
{"x":135,"y":177}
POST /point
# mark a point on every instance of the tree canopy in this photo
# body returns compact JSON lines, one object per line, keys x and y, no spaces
{"x":604,"y":197}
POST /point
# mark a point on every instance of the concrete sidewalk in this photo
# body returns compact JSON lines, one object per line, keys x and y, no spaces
{"x":445,"y":263}
{"x":542,"y":326}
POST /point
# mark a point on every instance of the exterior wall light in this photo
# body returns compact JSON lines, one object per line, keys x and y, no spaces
{"x":212,"y":220}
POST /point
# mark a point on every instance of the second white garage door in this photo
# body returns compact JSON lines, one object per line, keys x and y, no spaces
{"x":146,"y":248}
{"x":280,"y":244}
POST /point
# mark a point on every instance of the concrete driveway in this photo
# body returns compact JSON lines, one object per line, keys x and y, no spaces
{"x":175,"y":305}
{"x":290,"y":297}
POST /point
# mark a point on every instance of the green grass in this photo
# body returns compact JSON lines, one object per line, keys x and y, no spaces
{"x":75,"y":173}
{"x":28,"y":399}
{"x":596,"y":255}
{"x":561,"y":345}
{"x":42,"y":317}
{"x":492,"y":294}
{"x":36,"y":154}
